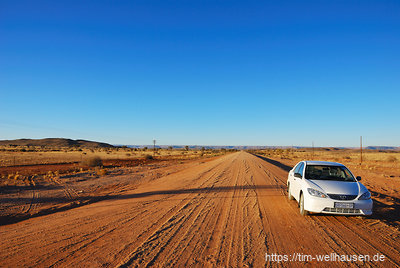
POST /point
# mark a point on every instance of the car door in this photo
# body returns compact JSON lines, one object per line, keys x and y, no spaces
{"x":292,"y":171}
{"x":296,"y":187}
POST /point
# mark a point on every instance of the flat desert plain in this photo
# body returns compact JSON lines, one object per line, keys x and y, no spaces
{"x":226,"y":211}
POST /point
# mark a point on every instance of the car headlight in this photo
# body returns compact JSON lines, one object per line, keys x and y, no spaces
{"x":317,"y":193}
{"x":365,"y":196}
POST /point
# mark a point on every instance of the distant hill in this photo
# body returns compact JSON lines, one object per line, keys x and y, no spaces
{"x":55,"y":142}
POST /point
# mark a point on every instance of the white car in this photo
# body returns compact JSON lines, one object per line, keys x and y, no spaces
{"x":327,"y":187}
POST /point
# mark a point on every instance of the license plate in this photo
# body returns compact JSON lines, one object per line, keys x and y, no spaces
{"x":344,"y":205}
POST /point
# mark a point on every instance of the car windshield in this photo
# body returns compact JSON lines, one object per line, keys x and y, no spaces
{"x":333,"y":173}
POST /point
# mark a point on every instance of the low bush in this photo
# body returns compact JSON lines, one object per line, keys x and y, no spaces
{"x":94,"y":161}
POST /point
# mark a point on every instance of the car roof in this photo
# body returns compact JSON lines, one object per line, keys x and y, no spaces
{"x":322,"y":163}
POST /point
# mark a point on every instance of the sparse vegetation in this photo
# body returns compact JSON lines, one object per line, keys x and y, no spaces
{"x":40,"y":164}
{"x":41,"y":155}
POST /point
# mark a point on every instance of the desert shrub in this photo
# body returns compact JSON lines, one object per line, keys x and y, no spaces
{"x":148,"y":156}
{"x":101,"y":172}
{"x":94,"y":161}
{"x":391,"y":158}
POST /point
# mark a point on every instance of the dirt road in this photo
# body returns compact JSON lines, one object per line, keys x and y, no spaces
{"x":231,"y":211}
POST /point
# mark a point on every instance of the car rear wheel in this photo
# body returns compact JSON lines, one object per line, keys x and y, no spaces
{"x":303,"y":212}
{"x":290,"y":196}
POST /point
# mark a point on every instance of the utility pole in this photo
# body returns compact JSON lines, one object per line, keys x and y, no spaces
{"x":360,"y":150}
{"x":154,"y":147}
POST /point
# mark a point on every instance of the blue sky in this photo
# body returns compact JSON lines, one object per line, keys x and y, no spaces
{"x":201,"y":72}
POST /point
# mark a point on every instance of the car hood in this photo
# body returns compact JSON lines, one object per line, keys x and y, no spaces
{"x":337,"y":187}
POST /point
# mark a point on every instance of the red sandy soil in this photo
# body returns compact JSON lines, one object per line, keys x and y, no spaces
{"x":23,"y":199}
{"x":29,"y":170}
{"x":229,"y":211}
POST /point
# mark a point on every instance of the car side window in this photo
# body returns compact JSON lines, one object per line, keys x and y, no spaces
{"x":296,"y":170}
{"x":301,"y":168}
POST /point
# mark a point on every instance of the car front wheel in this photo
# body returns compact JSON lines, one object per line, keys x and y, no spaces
{"x":303,"y":212}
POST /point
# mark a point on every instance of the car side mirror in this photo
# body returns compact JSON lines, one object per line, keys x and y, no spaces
{"x":298,"y":175}
{"x":358,"y":178}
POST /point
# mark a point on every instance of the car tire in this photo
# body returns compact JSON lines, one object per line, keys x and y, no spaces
{"x":303,"y":212}
{"x":290,"y":196}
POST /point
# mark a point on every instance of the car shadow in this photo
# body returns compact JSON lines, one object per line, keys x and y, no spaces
{"x":85,"y":200}
{"x":150,"y":193}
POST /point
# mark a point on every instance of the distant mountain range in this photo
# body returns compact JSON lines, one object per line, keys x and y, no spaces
{"x":382,"y":148}
{"x":55,"y":142}
{"x":62,"y":142}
